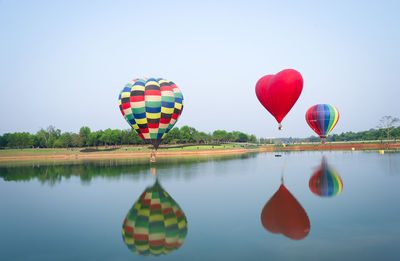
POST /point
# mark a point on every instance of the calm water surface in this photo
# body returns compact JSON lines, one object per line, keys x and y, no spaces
{"x":333,"y":206}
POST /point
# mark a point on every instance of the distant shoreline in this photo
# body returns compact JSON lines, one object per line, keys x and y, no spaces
{"x":68,"y":155}
{"x":340,"y":146}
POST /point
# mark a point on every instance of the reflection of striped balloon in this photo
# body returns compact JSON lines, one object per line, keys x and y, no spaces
{"x":155,"y":224}
{"x":152,"y":107}
{"x":325,"y":182}
{"x":322,"y":118}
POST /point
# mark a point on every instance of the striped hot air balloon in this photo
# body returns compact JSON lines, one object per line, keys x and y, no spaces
{"x":322,"y":118}
{"x":325,"y":182}
{"x":155,"y":225}
{"x":151,"y":106}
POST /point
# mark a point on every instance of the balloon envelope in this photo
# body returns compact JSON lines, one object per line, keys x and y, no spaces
{"x":151,"y":106}
{"x":325,"y":182}
{"x":278,"y":93}
{"x":322,"y":118}
{"x":155,"y":224}
{"x":283,"y":214}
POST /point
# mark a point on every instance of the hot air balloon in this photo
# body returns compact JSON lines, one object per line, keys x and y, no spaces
{"x":278,"y":93}
{"x":151,"y":106}
{"x":325,"y":182}
{"x":322,"y":118}
{"x":283,"y":214}
{"x":155,"y":225}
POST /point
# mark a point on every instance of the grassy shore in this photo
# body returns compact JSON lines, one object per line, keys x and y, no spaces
{"x":177,"y":151}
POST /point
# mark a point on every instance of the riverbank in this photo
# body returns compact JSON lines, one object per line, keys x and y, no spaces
{"x":141,"y":152}
{"x":119,"y":154}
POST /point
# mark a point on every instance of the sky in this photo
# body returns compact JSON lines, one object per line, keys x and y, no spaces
{"x":63,"y":63}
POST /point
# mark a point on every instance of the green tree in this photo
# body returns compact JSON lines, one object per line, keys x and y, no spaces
{"x":202,"y":137}
{"x":77,"y":140}
{"x":51,"y":141}
{"x":66,"y":139}
{"x":92,"y":139}
{"x":116,"y":137}
{"x":46,"y":138}
{"x":106,"y":137}
{"x":84,"y":133}
{"x":185,"y":134}
{"x":20,"y":140}
{"x":125,"y":137}
{"x":58,"y":143}
{"x":253,"y":138}
{"x":173,"y":136}
{"x":220,"y":136}
{"x":4,"y":140}
{"x":242,"y":137}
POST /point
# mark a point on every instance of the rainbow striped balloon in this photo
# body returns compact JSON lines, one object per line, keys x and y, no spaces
{"x":322,"y":118}
{"x":151,"y":106}
{"x":325,"y":182}
{"x":155,"y":224}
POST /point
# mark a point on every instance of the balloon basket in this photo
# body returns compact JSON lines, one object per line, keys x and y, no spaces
{"x":323,"y":141}
{"x":280,"y":127}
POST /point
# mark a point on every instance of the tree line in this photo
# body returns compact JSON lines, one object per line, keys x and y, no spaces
{"x":372,"y":134}
{"x":54,"y":138}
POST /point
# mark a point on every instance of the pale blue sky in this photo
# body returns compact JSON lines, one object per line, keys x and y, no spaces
{"x":64,"y":62}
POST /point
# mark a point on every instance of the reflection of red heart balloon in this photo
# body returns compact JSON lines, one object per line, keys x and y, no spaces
{"x":278,"y":93}
{"x":283,"y":214}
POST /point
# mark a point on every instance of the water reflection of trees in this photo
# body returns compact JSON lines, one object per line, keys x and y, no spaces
{"x":52,"y":173}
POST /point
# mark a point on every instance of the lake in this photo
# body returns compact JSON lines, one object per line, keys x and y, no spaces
{"x":330,"y":206}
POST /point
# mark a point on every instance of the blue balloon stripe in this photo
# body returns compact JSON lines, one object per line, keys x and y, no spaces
{"x":330,"y":185}
{"x":167,"y":104}
{"x":139,"y":115}
{"x":153,"y":110}
{"x":327,"y":117}
{"x":178,"y":100}
{"x":139,"y":83}
{"x":321,"y":118}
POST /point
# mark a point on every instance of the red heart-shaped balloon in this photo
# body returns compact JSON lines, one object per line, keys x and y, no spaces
{"x":278,"y":93}
{"x":283,"y":214}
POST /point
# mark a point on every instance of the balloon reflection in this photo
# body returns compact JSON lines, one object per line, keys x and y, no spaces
{"x":283,"y":214}
{"x":155,"y":224}
{"x":325,"y":182}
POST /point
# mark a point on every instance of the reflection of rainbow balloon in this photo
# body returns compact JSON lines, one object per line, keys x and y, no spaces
{"x":325,"y":182}
{"x":155,"y":224}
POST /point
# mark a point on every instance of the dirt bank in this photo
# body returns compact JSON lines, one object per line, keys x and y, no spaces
{"x":117,"y":155}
